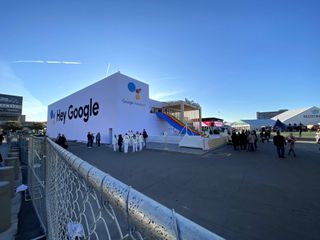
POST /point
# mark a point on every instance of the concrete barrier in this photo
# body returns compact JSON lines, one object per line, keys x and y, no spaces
{"x":14,"y":162}
{"x":5,"y":206}
{"x":7,"y":174}
{"x":216,"y":142}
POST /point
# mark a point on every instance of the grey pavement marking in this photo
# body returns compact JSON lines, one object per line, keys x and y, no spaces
{"x":236,"y":194}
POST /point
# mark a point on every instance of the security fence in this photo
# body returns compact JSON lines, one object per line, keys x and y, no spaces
{"x":75,"y":200}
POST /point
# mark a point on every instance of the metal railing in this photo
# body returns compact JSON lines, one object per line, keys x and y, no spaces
{"x":75,"y":200}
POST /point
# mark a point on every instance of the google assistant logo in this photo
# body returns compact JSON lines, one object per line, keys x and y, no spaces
{"x":132,"y":88}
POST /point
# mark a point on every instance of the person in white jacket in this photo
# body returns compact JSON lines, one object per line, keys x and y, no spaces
{"x":115,"y":142}
{"x":126,"y":141}
{"x":130,"y":134}
{"x":134,"y":143}
{"x":140,"y":141}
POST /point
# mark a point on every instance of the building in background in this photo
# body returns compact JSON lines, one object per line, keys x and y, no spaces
{"x":11,"y":109}
{"x":212,"y":122}
{"x":305,"y":116}
{"x":269,"y":115}
{"x":253,"y":124}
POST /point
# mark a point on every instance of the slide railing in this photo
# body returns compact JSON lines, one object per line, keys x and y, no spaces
{"x":176,"y":123}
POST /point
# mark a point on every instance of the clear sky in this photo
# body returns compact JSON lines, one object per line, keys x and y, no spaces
{"x":234,"y":57}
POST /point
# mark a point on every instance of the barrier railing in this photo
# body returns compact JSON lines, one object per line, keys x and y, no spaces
{"x":75,"y":200}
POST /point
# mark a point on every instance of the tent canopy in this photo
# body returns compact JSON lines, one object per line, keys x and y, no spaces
{"x":279,"y":126}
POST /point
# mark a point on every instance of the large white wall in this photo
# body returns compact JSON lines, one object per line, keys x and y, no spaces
{"x":119,"y":109}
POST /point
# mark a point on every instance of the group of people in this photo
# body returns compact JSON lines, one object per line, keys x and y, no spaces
{"x":135,"y":140}
{"x":90,"y":139}
{"x":62,"y":141}
{"x":280,"y":142}
{"x":246,"y":140}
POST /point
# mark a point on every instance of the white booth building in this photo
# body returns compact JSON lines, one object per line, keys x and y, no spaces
{"x":306,"y":116}
{"x":114,"y":105}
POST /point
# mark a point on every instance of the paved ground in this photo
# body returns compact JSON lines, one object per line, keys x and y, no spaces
{"x":238,"y":195}
{"x":174,"y":148}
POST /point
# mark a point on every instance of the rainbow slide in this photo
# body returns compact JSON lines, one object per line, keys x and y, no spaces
{"x":174,"y":122}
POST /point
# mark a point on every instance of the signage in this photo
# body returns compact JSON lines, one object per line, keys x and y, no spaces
{"x":10,"y":104}
{"x":82,"y":112}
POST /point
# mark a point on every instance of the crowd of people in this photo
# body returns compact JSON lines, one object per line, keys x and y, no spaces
{"x":137,"y":141}
{"x":245,"y":140}
{"x":90,"y":139}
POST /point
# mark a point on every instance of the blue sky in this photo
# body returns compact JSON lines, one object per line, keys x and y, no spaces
{"x":233,"y":57}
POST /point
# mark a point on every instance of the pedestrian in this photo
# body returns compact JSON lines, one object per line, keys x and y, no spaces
{"x":1,"y":161}
{"x":88,"y":139}
{"x":300,"y":130}
{"x":291,"y":140}
{"x":140,"y":140}
{"x":120,"y":141}
{"x":130,"y":134}
{"x":251,"y":141}
{"x":126,"y":141}
{"x":235,"y":140}
{"x":243,"y":140}
{"x":98,"y":139}
{"x":115,"y":142}
{"x":134,"y":143}
{"x":255,"y":140}
{"x":1,"y":138}
{"x":145,"y":136}
{"x":92,"y":140}
{"x":63,"y":142}
{"x":279,"y":141}
{"x":58,"y":138}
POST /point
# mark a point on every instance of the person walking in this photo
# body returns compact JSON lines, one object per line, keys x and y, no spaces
{"x":114,"y":142}
{"x":291,"y":140}
{"x":120,"y":141}
{"x":134,"y":143}
{"x":251,"y":141}
{"x":63,"y":142}
{"x":243,"y":140}
{"x":88,"y":139}
{"x":98,"y":139}
{"x":126,"y":141}
{"x":235,"y":140}
{"x":145,"y":137}
{"x":1,"y":161}
{"x":279,"y":141}
{"x":140,"y":141}
{"x":255,"y":140}
{"x":1,"y":138}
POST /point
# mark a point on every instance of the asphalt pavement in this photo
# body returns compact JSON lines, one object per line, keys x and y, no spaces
{"x":235,"y":194}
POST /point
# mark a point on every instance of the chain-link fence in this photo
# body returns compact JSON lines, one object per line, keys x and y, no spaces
{"x":75,"y":200}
